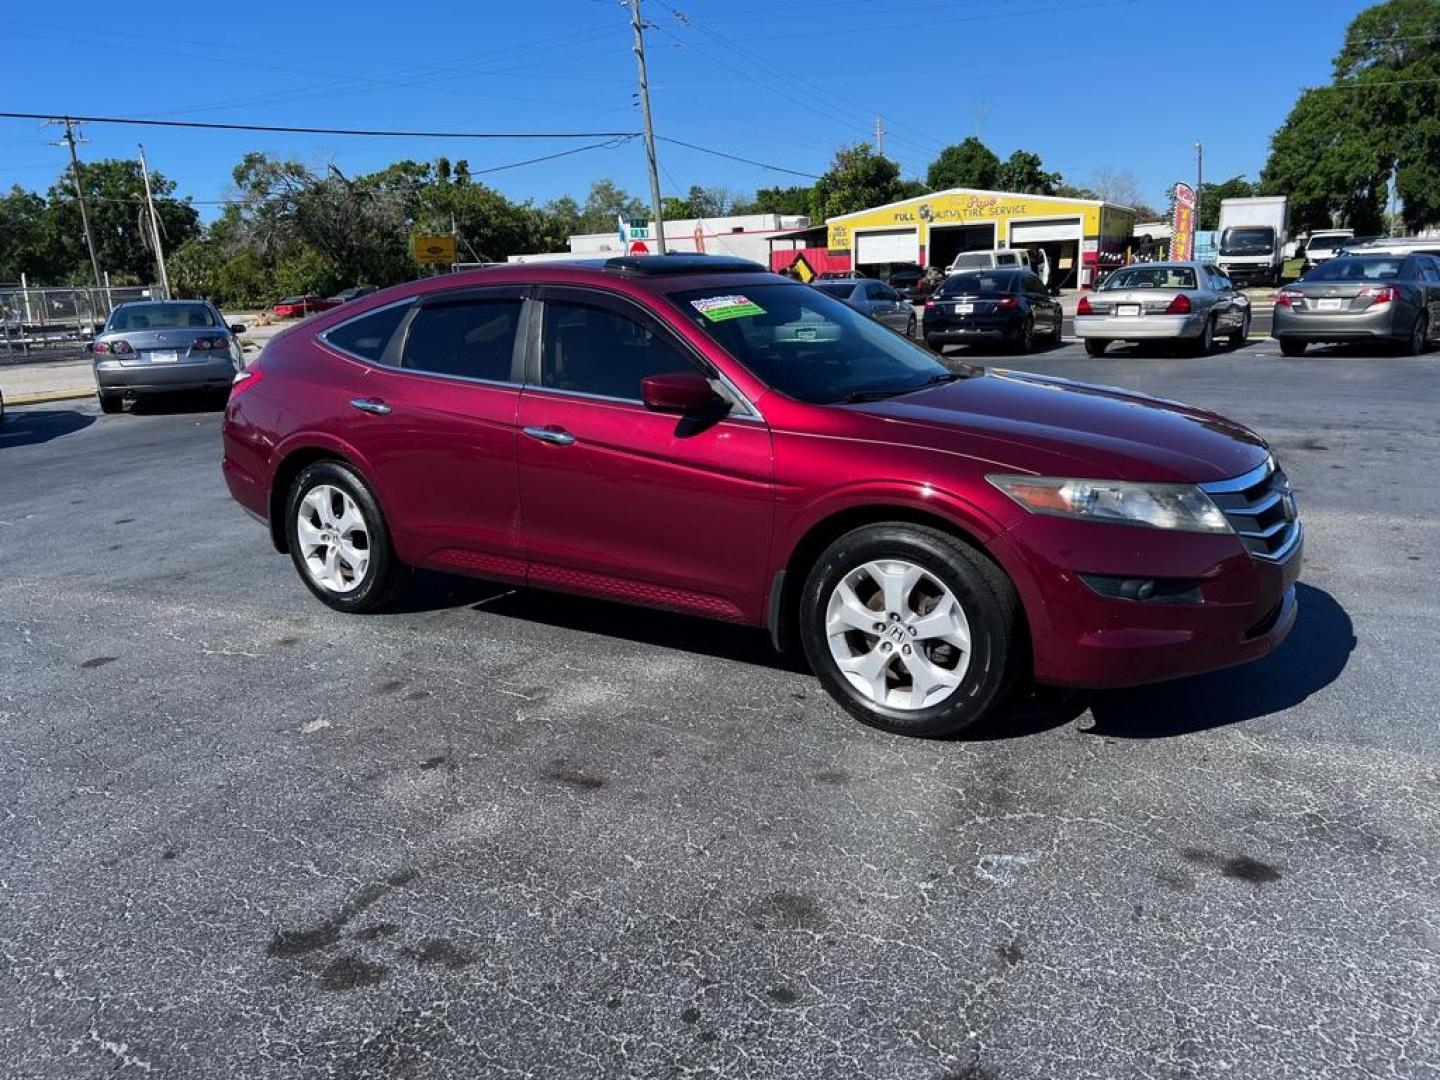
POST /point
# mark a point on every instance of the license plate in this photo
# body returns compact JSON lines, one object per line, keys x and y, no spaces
{"x":1329,"y":305}
{"x":1127,"y":310}
{"x":164,"y":356}
{"x":964,"y":309}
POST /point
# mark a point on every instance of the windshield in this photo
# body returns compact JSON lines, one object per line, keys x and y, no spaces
{"x":1326,"y":243}
{"x":1347,"y":269}
{"x":160,"y":317}
{"x":1248,"y":240}
{"x":840,"y":291}
{"x":807,"y":345}
{"x":974,"y":284}
{"x":1150,"y":277}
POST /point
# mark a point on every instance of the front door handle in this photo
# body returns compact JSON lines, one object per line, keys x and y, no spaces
{"x":370,"y":405}
{"x":552,"y":435}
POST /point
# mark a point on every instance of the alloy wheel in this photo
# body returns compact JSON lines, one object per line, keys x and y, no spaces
{"x":898,"y":634}
{"x":334,"y":538}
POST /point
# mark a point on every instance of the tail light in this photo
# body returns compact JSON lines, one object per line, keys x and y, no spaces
{"x":929,"y":304}
{"x":1379,"y":294}
{"x":204,"y":343}
{"x":1179,"y":306}
{"x":244,"y":380}
{"x":1084,"y":307}
{"x":121,"y":348}
{"x":1287,"y":297}
{"x":1005,"y":303}
{"x":99,"y":348}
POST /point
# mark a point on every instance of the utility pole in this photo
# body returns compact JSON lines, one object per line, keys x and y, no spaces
{"x":879,"y":136}
{"x":80,"y":196}
{"x":154,"y":223}
{"x":638,"y":26}
{"x":1199,"y":179}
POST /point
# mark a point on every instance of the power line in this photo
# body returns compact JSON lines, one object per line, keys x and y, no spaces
{"x":289,"y":130}
{"x":737,"y":157}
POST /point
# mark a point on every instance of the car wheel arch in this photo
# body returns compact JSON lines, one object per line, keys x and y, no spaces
{"x":783,"y":599}
{"x":291,"y":465}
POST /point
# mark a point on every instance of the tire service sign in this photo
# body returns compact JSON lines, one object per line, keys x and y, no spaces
{"x":1182,"y":224}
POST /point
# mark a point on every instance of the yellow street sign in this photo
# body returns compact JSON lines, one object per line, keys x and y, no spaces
{"x":433,"y":249}
{"x":803,"y":270}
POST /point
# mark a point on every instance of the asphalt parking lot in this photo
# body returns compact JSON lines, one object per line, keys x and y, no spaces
{"x":501,"y":833}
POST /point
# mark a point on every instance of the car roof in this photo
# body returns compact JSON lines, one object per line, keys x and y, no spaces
{"x":156,"y":303}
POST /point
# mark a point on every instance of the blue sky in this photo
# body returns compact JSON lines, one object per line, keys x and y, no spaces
{"x":1087,"y":84}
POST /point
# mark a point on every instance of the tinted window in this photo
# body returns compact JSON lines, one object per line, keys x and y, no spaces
{"x":875,"y":292}
{"x":807,"y":345}
{"x":471,"y":338}
{"x":1247,"y":240}
{"x":1345,"y":268}
{"x":161,"y":316}
{"x":1034,"y":285}
{"x":977,"y":284}
{"x":591,"y":350}
{"x":368,"y":335}
{"x":841,"y":291}
{"x":1429,"y":271}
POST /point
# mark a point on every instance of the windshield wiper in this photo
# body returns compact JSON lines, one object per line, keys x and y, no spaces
{"x":856,"y":396}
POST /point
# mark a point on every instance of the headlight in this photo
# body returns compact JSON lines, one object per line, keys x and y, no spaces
{"x":1156,"y":506}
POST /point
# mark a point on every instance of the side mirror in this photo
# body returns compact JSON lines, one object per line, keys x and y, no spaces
{"x":677,"y":392}
{"x":237,"y":328}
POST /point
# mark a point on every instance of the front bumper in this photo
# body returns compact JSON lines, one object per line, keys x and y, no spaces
{"x":1246,"y":605}
{"x":164,"y":378}
{"x":1139,"y":327}
{"x":1336,"y":325}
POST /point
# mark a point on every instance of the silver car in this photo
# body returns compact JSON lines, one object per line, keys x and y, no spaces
{"x":873,"y":298}
{"x":158,"y":346}
{"x":1186,"y":303}
{"x":1394,"y":299}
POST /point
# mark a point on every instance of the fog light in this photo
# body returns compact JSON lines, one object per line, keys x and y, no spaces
{"x":1144,"y":590}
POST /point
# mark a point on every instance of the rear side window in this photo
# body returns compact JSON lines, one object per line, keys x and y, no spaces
{"x":472,"y":339}
{"x":368,"y":335}
{"x":592,"y":350}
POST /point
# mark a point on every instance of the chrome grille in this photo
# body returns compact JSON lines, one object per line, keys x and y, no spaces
{"x":1261,"y":508}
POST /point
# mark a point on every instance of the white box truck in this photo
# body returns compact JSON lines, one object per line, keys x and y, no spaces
{"x":1252,"y":238}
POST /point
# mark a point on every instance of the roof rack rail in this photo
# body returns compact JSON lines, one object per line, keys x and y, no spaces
{"x":683,"y":263}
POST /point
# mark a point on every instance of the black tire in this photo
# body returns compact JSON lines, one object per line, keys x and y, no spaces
{"x":1204,"y":345}
{"x":984,"y":593}
{"x":1095,"y":346}
{"x":1292,"y":346}
{"x":910,"y":327}
{"x":1057,"y":336}
{"x":1025,"y":342}
{"x":111,"y":403}
{"x":1419,"y":338}
{"x":1239,"y":336}
{"x":385,"y":575}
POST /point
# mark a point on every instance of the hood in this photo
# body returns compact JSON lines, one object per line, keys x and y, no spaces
{"x":1056,"y":427}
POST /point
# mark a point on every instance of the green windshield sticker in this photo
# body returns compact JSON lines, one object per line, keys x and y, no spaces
{"x":720,"y":308}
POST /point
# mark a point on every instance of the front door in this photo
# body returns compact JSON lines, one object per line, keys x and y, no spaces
{"x":622,"y":502}
{"x":438,"y":428}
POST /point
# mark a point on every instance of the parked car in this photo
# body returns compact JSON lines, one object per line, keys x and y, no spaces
{"x":698,"y":434}
{"x":1387,"y":298}
{"x":838,"y":275}
{"x":296,"y":307}
{"x":344,"y":296}
{"x":2,"y":406}
{"x":159,"y":346}
{"x":1000,"y":258}
{"x":1008,"y":306}
{"x":873,"y":298}
{"x":1324,"y":244}
{"x":1184,"y":303}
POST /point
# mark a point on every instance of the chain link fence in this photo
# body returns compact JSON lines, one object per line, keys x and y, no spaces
{"x":49,"y":323}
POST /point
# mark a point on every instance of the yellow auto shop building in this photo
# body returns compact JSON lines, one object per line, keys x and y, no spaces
{"x":1079,"y":238}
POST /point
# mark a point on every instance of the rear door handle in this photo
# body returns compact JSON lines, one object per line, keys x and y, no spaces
{"x":370,"y":405}
{"x":552,"y":435}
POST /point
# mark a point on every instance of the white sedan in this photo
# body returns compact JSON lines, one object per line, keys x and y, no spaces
{"x":1188,"y":303}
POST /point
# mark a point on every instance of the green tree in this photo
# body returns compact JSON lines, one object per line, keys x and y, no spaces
{"x":26,"y":242}
{"x":780,"y":200}
{"x":1211,"y":195}
{"x":858,"y":178}
{"x":606,"y":202}
{"x":1334,"y":154}
{"x":1024,"y":173}
{"x":970,"y":164}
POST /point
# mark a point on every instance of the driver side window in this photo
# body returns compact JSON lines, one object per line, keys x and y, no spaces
{"x":589,"y":349}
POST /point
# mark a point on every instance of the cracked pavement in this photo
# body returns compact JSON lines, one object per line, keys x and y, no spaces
{"x":504,"y":833}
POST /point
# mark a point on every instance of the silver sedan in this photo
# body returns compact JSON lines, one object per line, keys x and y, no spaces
{"x":1186,"y":303}
{"x":873,"y":298}
{"x":152,"y":347}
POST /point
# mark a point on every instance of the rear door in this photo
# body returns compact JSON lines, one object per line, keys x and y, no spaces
{"x":1429,"y":274}
{"x":1046,"y":308}
{"x":436,"y":421}
{"x":622,"y":502}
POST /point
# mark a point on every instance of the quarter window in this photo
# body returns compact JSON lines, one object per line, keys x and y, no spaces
{"x":368,"y":335}
{"x":592,"y":350}
{"x":472,"y":338}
